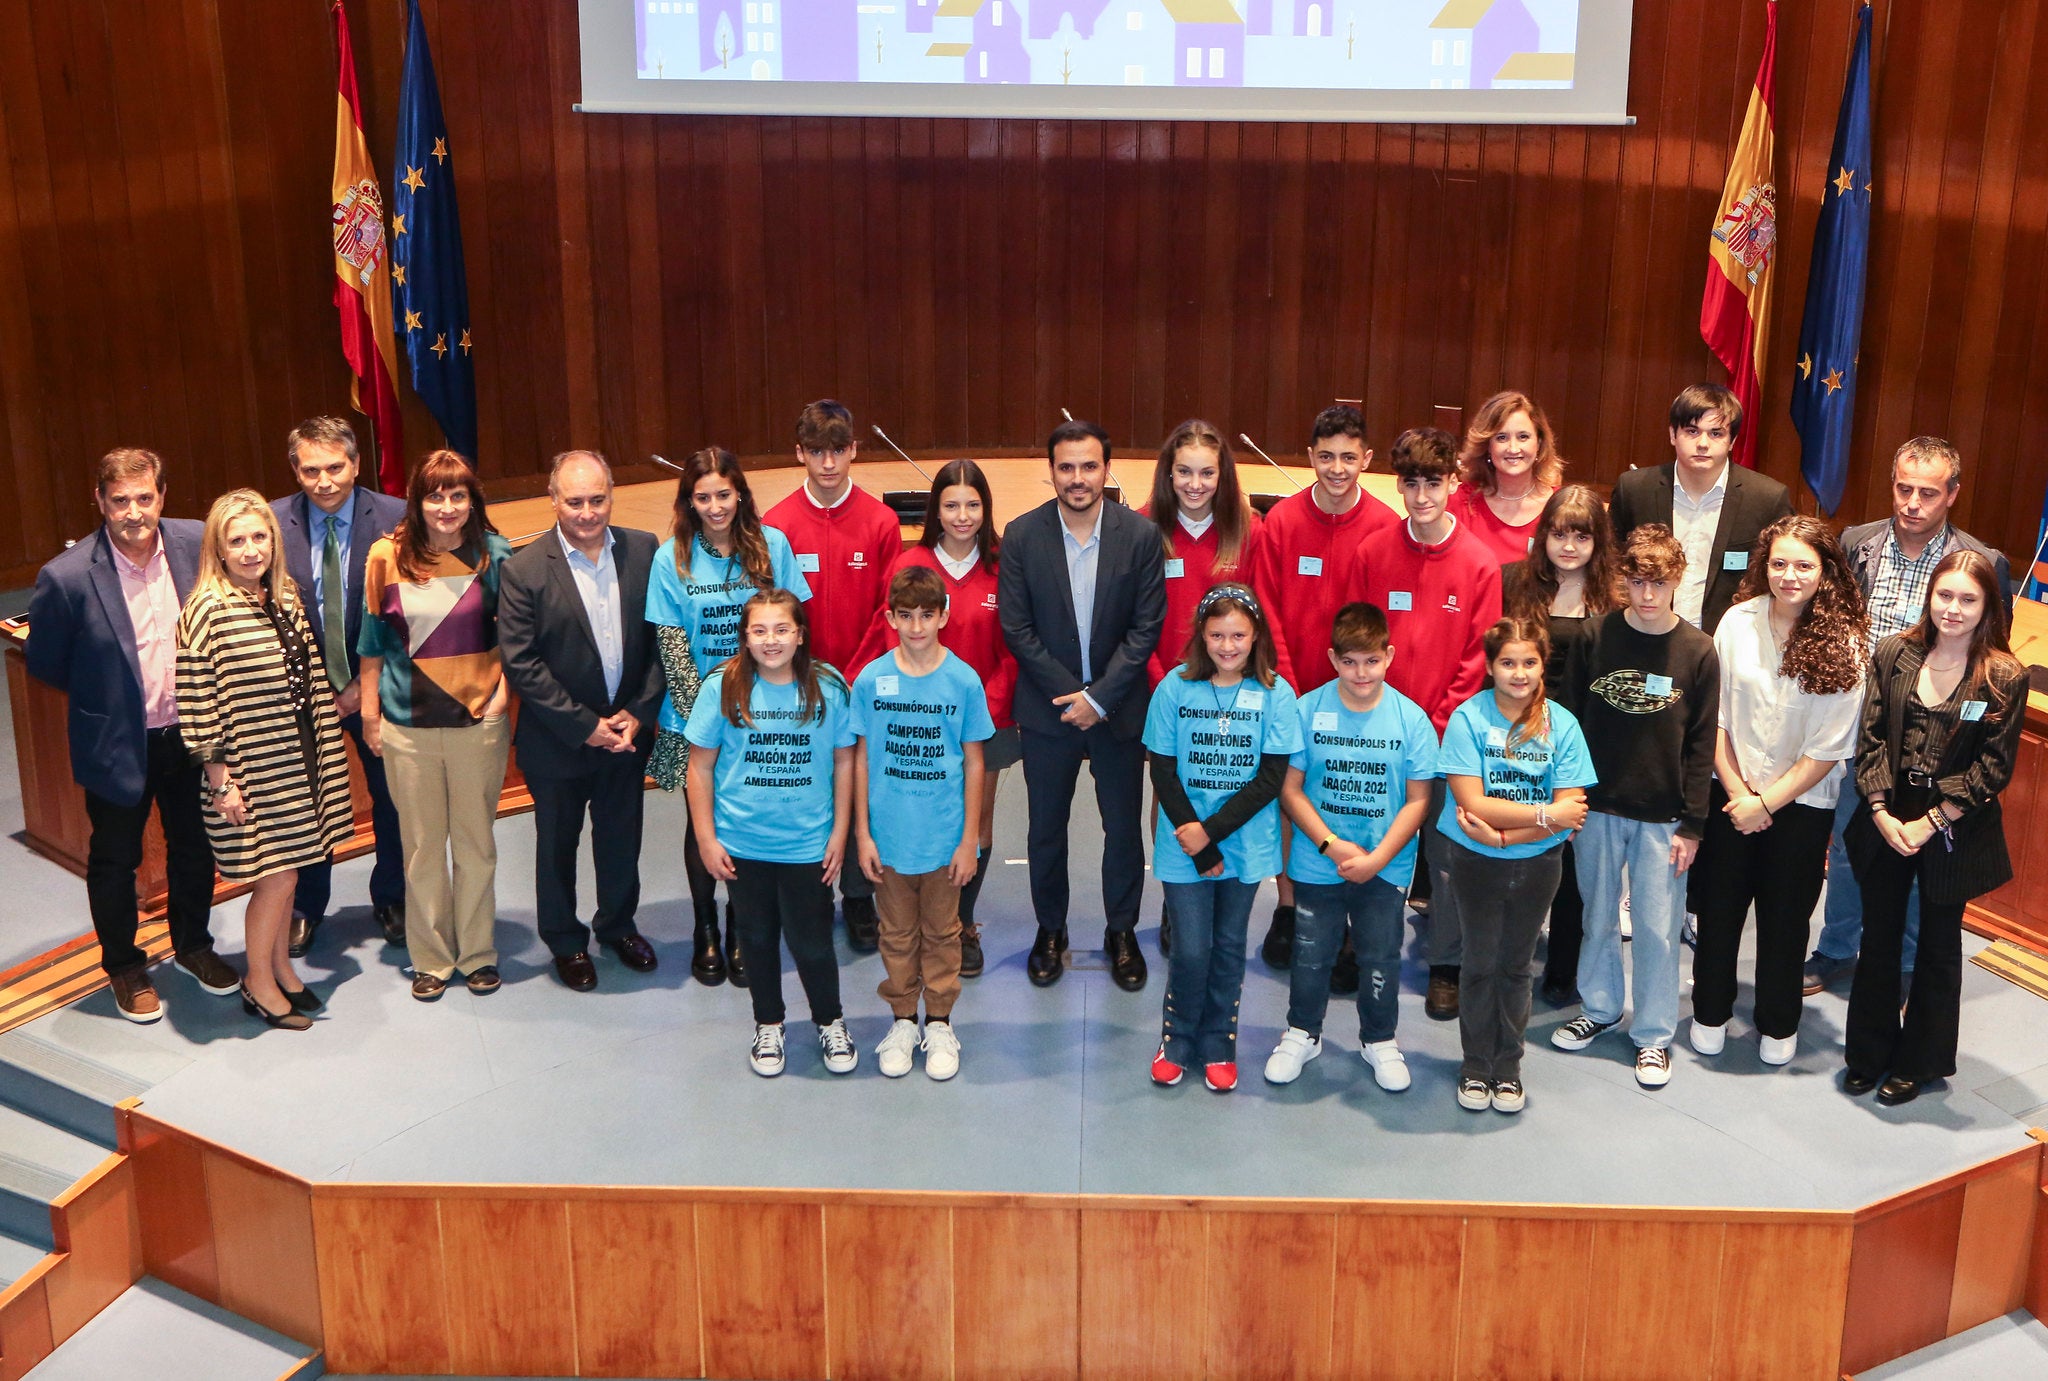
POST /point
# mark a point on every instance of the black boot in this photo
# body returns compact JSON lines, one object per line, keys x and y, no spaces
{"x":1278,"y":950}
{"x":972,"y":960}
{"x":707,"y":964}
{"x":735,"y":966}
{"x":863,"y":926}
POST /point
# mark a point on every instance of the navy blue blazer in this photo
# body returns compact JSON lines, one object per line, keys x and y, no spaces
{"x":81,"y":641}
{"x":375,"y":515}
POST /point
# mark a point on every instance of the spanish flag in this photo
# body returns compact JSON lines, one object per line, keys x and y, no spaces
{"x":362,"y":271}
{"x":1735,"y":313}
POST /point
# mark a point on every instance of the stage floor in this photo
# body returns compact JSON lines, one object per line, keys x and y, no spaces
{"x":645,"y":1082}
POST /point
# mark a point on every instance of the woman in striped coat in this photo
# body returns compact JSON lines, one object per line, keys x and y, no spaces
{"x":259,"y":716}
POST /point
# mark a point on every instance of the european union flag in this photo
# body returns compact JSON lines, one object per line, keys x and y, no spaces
{"x":1824,"y":392}
{"x":430,"y":295}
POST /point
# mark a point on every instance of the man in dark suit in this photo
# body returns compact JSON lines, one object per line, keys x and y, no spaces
{"x":103,"y":628}
{"x":1714,"y":508}
{"x":328,"y":528}
{"x":1081,"y":593}
{"x":582,"y":658}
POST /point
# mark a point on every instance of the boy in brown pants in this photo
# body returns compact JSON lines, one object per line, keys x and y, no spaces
{"x":922,"y":718}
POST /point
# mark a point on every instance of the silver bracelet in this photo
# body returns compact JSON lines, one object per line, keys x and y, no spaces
{"x":1543,"y":819}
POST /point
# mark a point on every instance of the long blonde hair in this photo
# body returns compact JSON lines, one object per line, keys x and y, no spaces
{"x":213,"y":574}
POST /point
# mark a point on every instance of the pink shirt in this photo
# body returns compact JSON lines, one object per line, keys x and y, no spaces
{"x":153,"y":610}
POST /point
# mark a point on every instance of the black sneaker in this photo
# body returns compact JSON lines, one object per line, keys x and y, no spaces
{"x":971,"y":957}
{"x":1578,"y":1033}
{"x":1278,"y":950}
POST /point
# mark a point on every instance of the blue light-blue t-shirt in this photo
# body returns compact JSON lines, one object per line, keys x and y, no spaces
{"x":707,"y":605}
{"x":1187,"y":722}
{"x":914,"y":727}
{"x":772,"y":789}
{"x":1355,"y":770}
{"x":1475,"y":745}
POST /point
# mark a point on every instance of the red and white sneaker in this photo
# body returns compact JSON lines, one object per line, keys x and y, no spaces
{"x":1165,"y":1072}
{"x":1220,"y":1077}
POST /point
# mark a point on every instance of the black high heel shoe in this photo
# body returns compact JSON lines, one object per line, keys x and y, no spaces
{"x":293,"y":1020}
{"x":303,"y":1000}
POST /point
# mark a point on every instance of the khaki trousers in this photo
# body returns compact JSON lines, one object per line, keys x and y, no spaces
{"x":920,"y":941}
{"x":446,"y":783}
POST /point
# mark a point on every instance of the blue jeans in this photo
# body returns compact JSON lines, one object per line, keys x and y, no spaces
{"x":1606,"y":847}
{"x":1320,"y":910}
{"x":1841,"y":931}
{"x":1205,"y":976}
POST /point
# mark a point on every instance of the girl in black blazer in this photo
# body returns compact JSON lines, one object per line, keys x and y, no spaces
{"x":1941,"y":726}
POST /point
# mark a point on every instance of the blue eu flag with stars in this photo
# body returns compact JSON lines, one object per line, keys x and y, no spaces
{"x":1824,"y":381}
{"x":430,"y":295}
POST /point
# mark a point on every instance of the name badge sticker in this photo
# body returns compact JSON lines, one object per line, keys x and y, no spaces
{"x":1734,"y":560}
{"x":1973,"y":709}
{"x":807,"y":561}
{"x":1324,"y":722}
{"x":1654,"y":684}
{"x":1400,"y":601}
{"x":1176,"y":568}
{"x":886,"y":685}
{"x":1250,"y":699}
{"x":1309,"y":565}
{"x":1496,"y":737}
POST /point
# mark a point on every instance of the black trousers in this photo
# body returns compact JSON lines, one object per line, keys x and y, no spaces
{"x":387,"y":877}
{"x":1567,"y":925}
{"x":1780,"y":869}
{"x":611,"y":793}
{"x":774,"y":902}
{"x":1923,"y":1045}
{"x":1052,"y":769}
{"x":171,"y":780}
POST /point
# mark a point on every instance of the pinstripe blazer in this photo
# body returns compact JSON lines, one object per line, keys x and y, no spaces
{"x":1976,"y":762}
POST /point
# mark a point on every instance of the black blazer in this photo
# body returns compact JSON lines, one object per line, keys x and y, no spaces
{"x":551,"y":655}
{"x":374,"y":515}
{"x":1864,"y":546}
{"x":1751,"y":503}
{"x":1976,"y":763}
{"x":81,"y":640}
{"x":1036,"y":607}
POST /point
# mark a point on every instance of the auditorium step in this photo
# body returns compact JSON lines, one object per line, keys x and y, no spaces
{"x":17,"y":1258}
{"x":71,"y":1068}
{"x":2013,"y":1346}
{"x":38,"y":1162}
{"x":158,"y":1331}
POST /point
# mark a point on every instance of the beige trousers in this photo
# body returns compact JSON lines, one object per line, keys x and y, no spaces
{"x":445,"y":784}
{"x":920,"y":941}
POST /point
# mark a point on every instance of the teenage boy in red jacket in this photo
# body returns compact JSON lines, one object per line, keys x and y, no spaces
{"x":1440,"y":588}
{"x":846,"y":541}
{"x":1305,"y":545}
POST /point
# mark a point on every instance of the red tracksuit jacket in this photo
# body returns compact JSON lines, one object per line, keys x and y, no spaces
{"x":1298,"y":570}
{"x":1439,"y":603}
{"x":972,"y":633}
{"x":845,"y":554}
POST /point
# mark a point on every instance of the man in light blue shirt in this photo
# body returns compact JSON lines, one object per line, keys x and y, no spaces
{"x":597,"y":584}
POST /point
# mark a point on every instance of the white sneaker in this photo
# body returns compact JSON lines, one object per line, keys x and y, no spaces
{"x":1297,"y":1047}
{"x":1653,"y":1066}
{"x":941,"y":1050}
{"x":840,"y":1054}
{"x":894,"y":1055}
{"x":1779,"y":1050}
{"x":766,"y":1054}
{"x":1709,"y":1040}
{"x":1389,"y":1067}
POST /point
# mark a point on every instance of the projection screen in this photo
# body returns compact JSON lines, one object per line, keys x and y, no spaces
{"x":1491,"y":61}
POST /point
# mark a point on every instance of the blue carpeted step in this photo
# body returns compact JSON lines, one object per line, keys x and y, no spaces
{"x":17,"y":1259}
{"x":2013,"y":1346}
{"x":158,"y":1331}
{"x":38,"y":1162}
{"x":71,"y":1068}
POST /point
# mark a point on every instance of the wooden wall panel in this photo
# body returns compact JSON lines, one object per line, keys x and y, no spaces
{"x":635,"y":1277}
{"x":97,"y":1227}
{"x":170,"y":1201}
{"x":1994,"y":1243}
{"x":383,"y":1288}
{"x":761,"y":1286}
{"x":1397,"y":1282}
{"x":25,"y":1336}
{"x":263,"y":1243}
{"x":1901,"y":1276}
{"x":888,"y":1293}
{"x":1644,"y":1284}
{"x":1016,"y":1292}
{"x":509,"y":1282}
{"x":1516,"y":1318}
{"x":1781,"y":1290}
{"x":1142,"y":1283}
{"x":1270,"y":1289}
{"x":655,"y":283}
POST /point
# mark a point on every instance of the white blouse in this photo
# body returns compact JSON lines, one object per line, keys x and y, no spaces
{"x":1772,"y":723}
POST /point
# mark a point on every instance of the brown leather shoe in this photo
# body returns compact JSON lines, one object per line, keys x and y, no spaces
{"x":428,"y":988}
{"x":634,"y":952}
{"x":576,"y":971}
{"x":1441,"y":1003}
{"x":483,"y":981}
{"x":301,"y":938}
{"x":136,"y":997}
{"x":214,"y":973}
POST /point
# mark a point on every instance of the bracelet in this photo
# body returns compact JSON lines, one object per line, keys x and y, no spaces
{"x":1542,"y":820}
{"x":1763,"y":806}
{"x":1328,"y":840}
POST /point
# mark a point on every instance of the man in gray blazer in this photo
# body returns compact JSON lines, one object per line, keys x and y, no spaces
{"x":1081,"y":594}
{"x":1893,"y":560}
{"x":582,"y":658}
{"x":328,"y":528}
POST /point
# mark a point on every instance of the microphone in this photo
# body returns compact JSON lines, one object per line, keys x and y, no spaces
{"x":900,"y":451}
{"x":665,"y":461}
{"x":1270,"y":461}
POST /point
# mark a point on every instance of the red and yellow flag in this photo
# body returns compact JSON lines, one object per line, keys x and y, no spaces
{"x":1735,"y":313}
{"x":362,"y":272}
